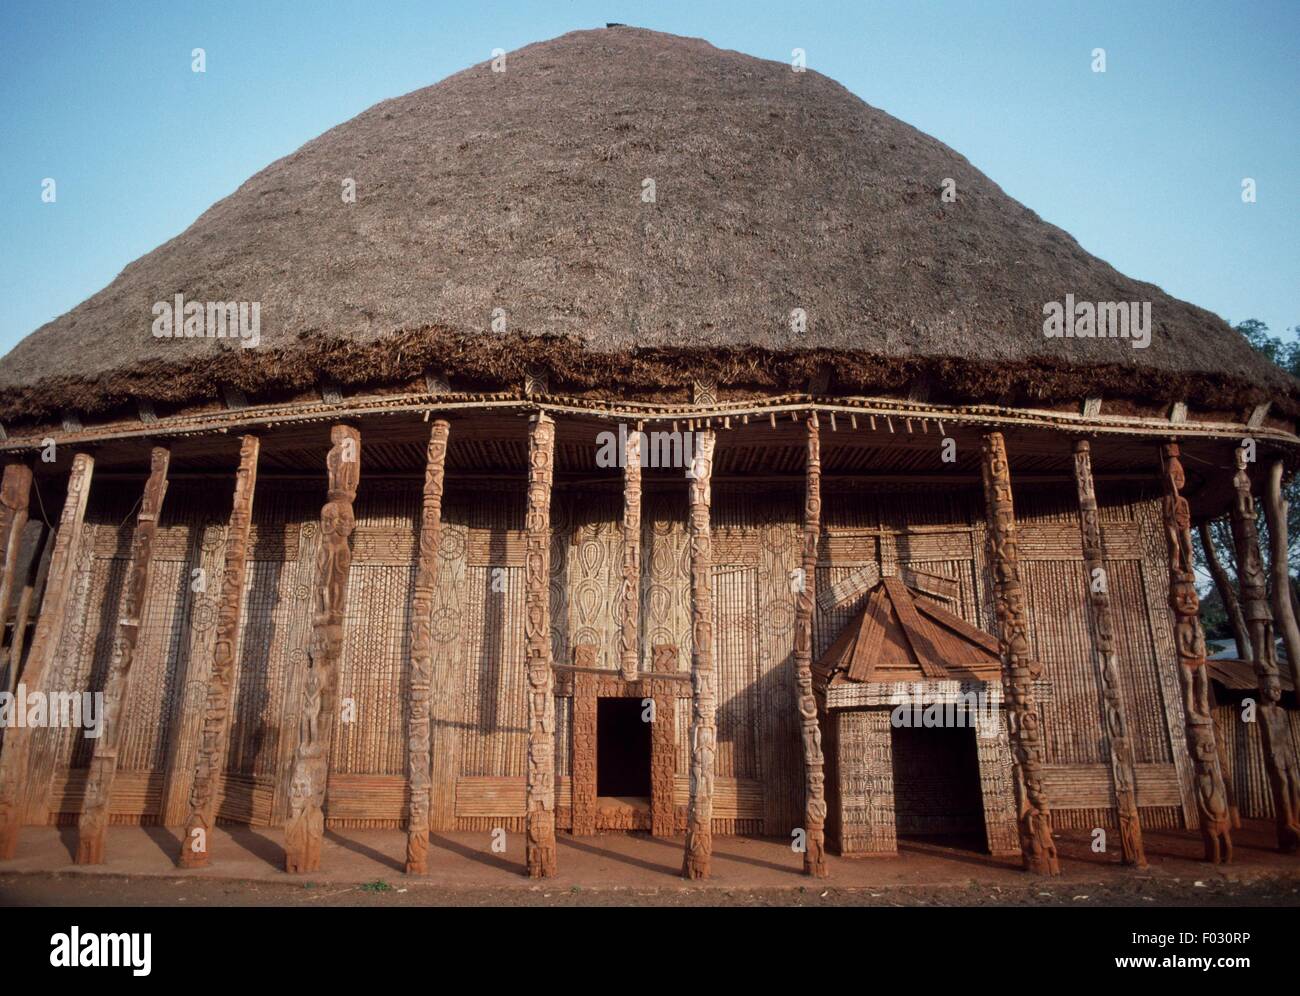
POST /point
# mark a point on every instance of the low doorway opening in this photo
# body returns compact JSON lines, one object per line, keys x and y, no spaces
{"x":622,"y":750}
{"x":937,"y":794}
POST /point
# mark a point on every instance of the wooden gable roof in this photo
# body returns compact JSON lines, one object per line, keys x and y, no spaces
{"x":900,"y":635}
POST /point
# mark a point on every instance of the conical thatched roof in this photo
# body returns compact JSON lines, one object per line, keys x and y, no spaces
{"x":523,"y":191}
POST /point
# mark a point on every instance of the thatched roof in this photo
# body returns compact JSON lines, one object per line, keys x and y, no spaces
{"x":522,"y":190}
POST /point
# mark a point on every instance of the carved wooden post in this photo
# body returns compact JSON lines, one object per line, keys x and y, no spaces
{"x":216,"y":708}
{"x":629,"y":644}
{"x":814,"y":856}
{"x":1189,"y":641}
{"x":699,"y":831}
{"x":1284,"y":615}
{"x":1115,"y":724}
{"x":103,"y":764}
{"x":37,"y":569}
{"x":304,"y":830}
{"x":15,"y":492}
{"x":1034,"y":816}
{"x":1275,"y":734}
{"x":540,"y":846}
{"x":418,"y":715}
{"x":49,"y":629}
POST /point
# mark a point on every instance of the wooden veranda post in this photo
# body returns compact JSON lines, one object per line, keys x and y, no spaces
{"x":814,"y":855}
{"x":215,"y":732}
{"x":699,"y":833}
{"x":1019,"y":670}
{"x":1284,"y":615}
{"x":103,"y":764}
{"x":1189,"y":642}
{"x":540,"y":802}
{"x":304,"y":829}
{"x":1115,"y":723}
{"x":629,"y":647}
{"x":1275,"y":734}
{"x":49,"y":630}
{"x":419,"y":728}
{"x":15,"y":492}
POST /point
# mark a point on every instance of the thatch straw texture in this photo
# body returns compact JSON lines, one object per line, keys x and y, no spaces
{"x":522,"y":190}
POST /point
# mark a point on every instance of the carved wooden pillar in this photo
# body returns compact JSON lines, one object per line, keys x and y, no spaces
{"x":37,"y":569}
{"x":49,"y":628}
{"x":1115,"y":724}
{"x":1284,"y":614}
{"x":628,"y":643}
{"x":1275,"y":734}
{"x":1189,"y":641}
{"x":418,"y":714}
{"x":216,"y":708}
{"x":15,"y":492}
{"x":814,"y":856}
{"x":1033,"y":814}
{"x":540,"y":809}
{"x":304,"y":829}
{"x":699,"y":832}
{"x":103,"y":764}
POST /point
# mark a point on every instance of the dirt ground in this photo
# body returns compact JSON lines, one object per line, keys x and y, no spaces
{"x":364,"y":868}
{"x":54,"y":889}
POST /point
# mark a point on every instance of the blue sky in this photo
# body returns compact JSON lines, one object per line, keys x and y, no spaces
{"x":1143,"y":164}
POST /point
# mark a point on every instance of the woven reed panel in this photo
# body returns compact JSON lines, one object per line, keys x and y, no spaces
{"x":1084,"y":786}
{"x":245,"y":800}
{"x":137,"y":795}
{"x":1140,"y":663}
{"x":366,"y":797}
{"x":735,"y":658}
{"x":1246,"y":757}
{"x":665,"y":579}
{"x":374,"y":677}
{"x":494,"y":735}
{"x":733,"y":798}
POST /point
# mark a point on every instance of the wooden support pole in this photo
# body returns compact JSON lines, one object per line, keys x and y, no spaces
{"x":814,"y":855}
{"x":540,"y":802}
{"x":103,"y":763}
{"x":699,"y":832}
{"x":1227,"y":594}
{"x":15,"y":493}
{"x":1280,"y":763}
{"x":216,"y":707}
{"x":1189,"y":642}
{"x":37,"y":571}
{"x":1019,"y":670}
{"x":1114,"y":722}
{"x":629,"y":646}
{"x":1284,"y":610}
{"x":14,"y":788}
{"x":418,"y":717}
{"x":304,"y":829}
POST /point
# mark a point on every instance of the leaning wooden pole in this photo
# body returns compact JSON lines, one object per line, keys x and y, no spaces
{"x":629,"y":645}
{"x":1189,"y":640}
{"x":814,"y":855}
{"x":1284,"y":612}
{"x":1223,"y":585}
{"x":215,"y":732}
{"x":304,"y":829}
{"x":540,"y":801}
{"x":1123,"y":768}
{"x":49,"y":630}
{"x":1280,"y":763}
{"x":418,"y":718}
{"x":37,"y":569}
{"x":15,"y":493}
{"x":1034,"y":816}
{"x":103,"y":763}
{"x":699,"y":833}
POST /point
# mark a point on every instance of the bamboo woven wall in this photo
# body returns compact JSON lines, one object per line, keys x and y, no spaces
{"x":479,"y":733}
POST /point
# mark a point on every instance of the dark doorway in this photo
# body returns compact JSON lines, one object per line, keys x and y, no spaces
{"x":937,"y":786}
{"x":622,"y":749}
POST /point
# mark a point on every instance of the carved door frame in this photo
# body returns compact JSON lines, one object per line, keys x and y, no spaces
{"x":587,"y":689}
